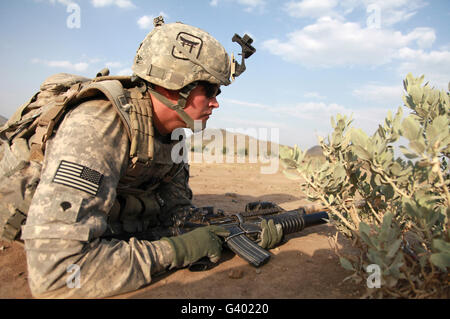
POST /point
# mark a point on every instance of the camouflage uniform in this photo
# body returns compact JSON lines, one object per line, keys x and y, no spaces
{"x":85,"y":198}
{"x":66,"y":222}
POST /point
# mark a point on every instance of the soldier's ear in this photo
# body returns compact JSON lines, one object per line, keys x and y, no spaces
{"x":170,"y":94}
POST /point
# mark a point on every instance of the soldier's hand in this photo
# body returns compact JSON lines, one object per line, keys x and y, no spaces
{"x":196,"y":244}
{"x":271,"y":234}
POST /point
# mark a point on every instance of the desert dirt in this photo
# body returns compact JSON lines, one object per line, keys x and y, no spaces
{"x":305,"y":266}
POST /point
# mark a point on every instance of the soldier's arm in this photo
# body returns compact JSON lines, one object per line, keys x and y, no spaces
{"x":69,"y":212}
{"x":176,"y":193}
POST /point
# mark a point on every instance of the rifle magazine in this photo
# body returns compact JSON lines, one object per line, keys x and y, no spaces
{"x":242,"y":246}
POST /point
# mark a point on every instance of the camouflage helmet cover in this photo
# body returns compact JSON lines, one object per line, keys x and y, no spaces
{"x":174,"y":55}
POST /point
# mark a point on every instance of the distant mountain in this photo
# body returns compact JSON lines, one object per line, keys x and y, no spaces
{"x":3,"y":120}
{"x":242,"y":144}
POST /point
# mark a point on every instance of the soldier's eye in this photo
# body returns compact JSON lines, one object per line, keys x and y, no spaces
{"x":211,"y":90}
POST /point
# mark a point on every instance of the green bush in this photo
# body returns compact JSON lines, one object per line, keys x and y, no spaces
{"x":395,"y":208}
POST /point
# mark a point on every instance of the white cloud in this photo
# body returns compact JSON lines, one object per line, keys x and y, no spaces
{"x":250,"y":104}
{"x":251,"y":123}
{"x":395,"y":11}
{"x":313,"y":110}
{"x":96,"y":3}
{"x":310,"y":8}
{"x":122,"y":69}
{"x":390,"y":11}
{"x":63,"y":2}
{"x":146,"y":22}
{"x":113,"y":64}
{"x":118,"y":3}
{"x":383,"y":95}
{"x":424,"y":37}
{"x":64,"y":64}
{"x":250,"y":5}
{"x":435,"y":65}
{"x":315,"y":116}
{"x":314,"y":95}
{"x":126,"y":71}
{"x":313,"y":113}
{"x":332,"y":42}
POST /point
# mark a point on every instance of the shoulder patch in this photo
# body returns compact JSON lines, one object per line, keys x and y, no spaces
{"x":79,"y":177}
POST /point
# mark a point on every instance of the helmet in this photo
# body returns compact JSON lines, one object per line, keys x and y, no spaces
{"x":174,"y":55}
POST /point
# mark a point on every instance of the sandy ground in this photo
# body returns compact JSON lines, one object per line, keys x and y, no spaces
{"x":303,"y":267}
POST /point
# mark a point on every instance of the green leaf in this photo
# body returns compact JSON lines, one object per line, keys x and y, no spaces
{"x":346,"y":264}
{"x":394,"y":248}
{"x":441,"y":260}
{"x":364,"y":228}
{"x":339,"y":172}
{"x":388,"y":191}
{"x":418,"y":145}
{"x":411,"y":128}
{"x":291,"y":176}
{"x":438,"y":129}
{"x":441,"y":245}
{"x":361,"y":153}
{"x":377,"y":179}
{"x":411,"y":209}
{"x":409,"y":154}
{"x":432,"y":217}
{"x":331,"y":199}
{"x":285,"y":152}
{"x":386,"y":226}
{"x":359,"y":137}
{"x":387,"y":220}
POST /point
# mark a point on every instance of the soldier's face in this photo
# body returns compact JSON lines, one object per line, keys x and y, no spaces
{"x":201,"y":102}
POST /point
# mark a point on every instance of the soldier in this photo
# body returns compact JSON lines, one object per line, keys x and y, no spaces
{"x":107,"y":173}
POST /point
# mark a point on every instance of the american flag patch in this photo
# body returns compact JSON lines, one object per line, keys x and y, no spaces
{"x":79,"y":177}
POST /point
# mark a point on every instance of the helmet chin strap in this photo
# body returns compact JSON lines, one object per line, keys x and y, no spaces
{"x":179,"y":107}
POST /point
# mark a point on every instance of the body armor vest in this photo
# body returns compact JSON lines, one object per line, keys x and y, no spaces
{"x":24,"y":136}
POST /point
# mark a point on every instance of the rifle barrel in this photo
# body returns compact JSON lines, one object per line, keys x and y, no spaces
{"x":294,"y":221}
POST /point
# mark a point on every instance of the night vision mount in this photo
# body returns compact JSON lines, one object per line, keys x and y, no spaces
{"x":247,"y":50}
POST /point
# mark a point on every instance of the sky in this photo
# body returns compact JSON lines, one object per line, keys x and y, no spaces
{"x":313,"y":60}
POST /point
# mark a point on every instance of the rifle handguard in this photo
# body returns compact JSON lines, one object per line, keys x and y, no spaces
{"x":296,"y":221}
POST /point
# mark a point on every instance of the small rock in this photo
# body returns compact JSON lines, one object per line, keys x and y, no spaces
{"x":231,"y":194}
{"x":258,"y":271}
{"x":235,"y":274}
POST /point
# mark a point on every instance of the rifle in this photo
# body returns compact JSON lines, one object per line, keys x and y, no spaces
{"x":244,"y":227}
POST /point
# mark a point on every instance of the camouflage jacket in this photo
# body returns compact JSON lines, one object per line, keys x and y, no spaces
{"x":82,"y":198}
